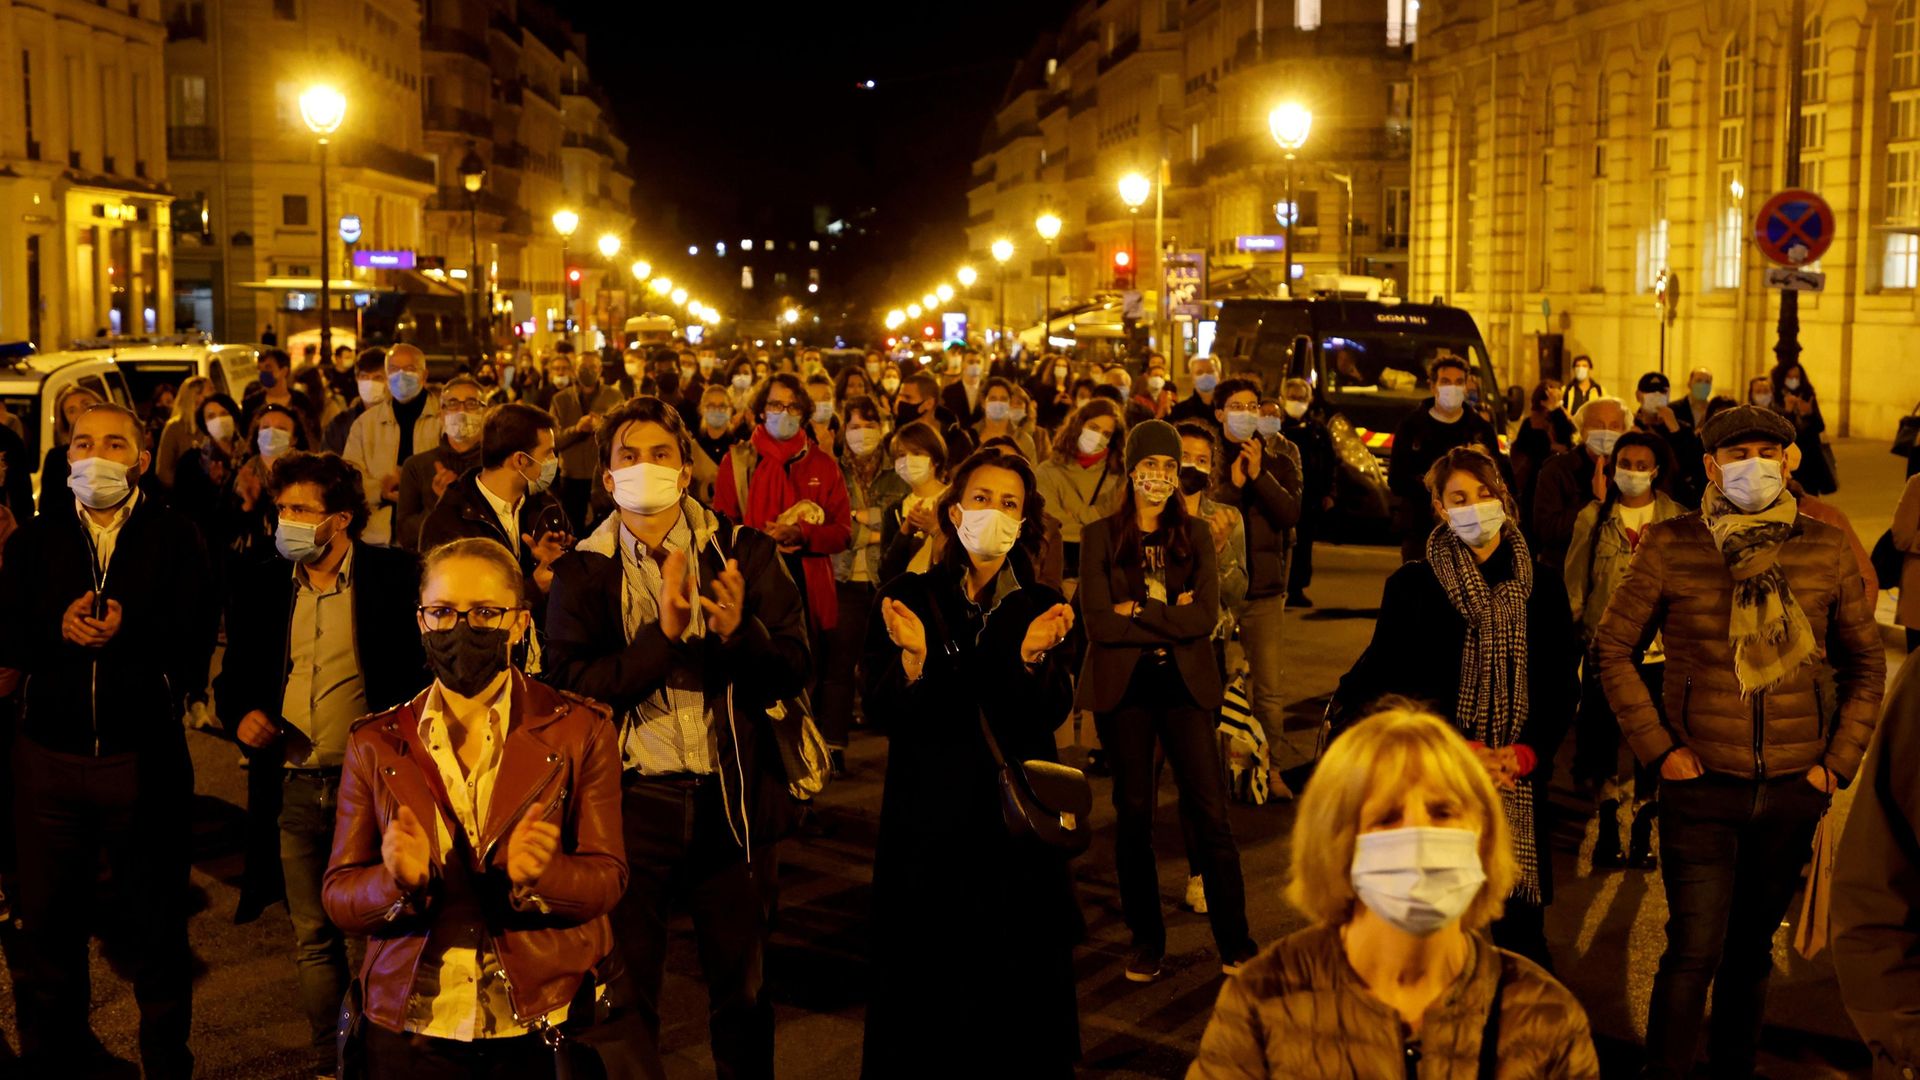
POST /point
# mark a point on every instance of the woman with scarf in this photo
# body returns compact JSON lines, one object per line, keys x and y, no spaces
{"x":1472,"y":631}
{"x":1081,"y":479}
{"x":973,"y":644}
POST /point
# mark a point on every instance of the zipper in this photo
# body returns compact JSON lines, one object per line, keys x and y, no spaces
{"x":1686,"y":704}
{"x":525,"y":803}
{"x":1759,"y":734}
{"x":93,"y":703}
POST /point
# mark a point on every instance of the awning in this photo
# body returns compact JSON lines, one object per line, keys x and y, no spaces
{"x":311,"y":284}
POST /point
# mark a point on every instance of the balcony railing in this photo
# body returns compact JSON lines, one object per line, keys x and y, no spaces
{"x":1126,"y":47}
{"x":187,"y":25}
{"x":464,"y":121}
{"x":363,"y":154}
{"x":509,"y":93}
{"x":541,"y":92}
{"x":984,"y":217}
{"x":452,"y":39}
{"x":1083,"y":101}
{"x":511,"y":155}
{"x":1328,"y":39}
{"x":587,"y":142}
{"x":1080,"y":168}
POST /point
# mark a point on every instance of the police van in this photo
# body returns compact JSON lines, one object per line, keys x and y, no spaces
{"x":31,"y":384}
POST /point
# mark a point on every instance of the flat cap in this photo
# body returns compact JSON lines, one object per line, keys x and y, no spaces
{"x":1745,"y":423}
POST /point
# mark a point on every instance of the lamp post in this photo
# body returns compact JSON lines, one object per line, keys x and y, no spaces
{"x":1048,"y":226}
{"x":1002,"y":251}
{"x":473,"y":175}
{"x":323,"y":108}
{"x":1290,"y":124}
{"x":1134,"y":189}
{"x":609,"y":245}
{"x":1346,"y":251}
{"x":564,"y":222}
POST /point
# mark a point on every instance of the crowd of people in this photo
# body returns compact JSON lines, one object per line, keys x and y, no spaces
{"x":518,"y":663}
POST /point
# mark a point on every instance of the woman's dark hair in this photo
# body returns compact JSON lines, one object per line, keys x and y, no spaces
{"x":921,"y":436}
{"x":1662,"y":463}
{"x":341,"y":490}
{"x":780,"y":378}
{"x":1720,"y":403}
{"x":848,"y":374}
{"x":643,"y":410}
{"x":1066,"y":445}
{"x":1476,"y":462}
{"x":1110,"y":392}
{"x":1129,"y":544}
{"x":1082,"y":383}
{"x":738,"y":365}
{"x":371,"y":362}
{"x":861,"y":407}
{"x":997,"y":382}
{"x":1195,"y":429}
{"x":512,"y":429}
{"x":267,"y":409}
{"x":1778,"y":377}
{"x":222,"y":400}
{"x":1033,"y":527}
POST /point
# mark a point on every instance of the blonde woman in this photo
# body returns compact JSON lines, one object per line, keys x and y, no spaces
{"x":1401,"y":857}
{"x":181,"y":432}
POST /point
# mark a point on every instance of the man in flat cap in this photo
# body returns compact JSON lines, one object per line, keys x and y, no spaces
{"x":1748,"y":594}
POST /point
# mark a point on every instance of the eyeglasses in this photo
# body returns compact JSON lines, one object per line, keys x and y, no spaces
{"x":442,"y":617}
{"x":458,"y":405}
{"x":794,"y":407}
{"x":1158,"y":472}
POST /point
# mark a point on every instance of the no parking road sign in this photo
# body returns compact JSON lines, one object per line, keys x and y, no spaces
{"x":1794,"y":227}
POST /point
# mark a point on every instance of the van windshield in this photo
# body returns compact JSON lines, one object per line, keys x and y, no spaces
{"x":1393,"y":363}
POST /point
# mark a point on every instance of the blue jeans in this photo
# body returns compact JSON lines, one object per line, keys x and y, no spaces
{"x":320,"y":949}
{"x":1730,"y":856}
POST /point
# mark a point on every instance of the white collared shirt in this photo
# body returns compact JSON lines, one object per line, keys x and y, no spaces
{"x":105,"y":537}
{"x":508,"y":513}
{"x":673,"y":730}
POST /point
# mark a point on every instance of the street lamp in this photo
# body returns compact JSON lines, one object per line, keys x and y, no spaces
{"x":929,"y":301}
{"x":1002,"y":251}
{"x":473,"y":175}
{"x":913,"y":311}
{"x":642,"y":270}
{"x":661,"y":286}
{"x":1048,"y":226}
{"x":679,"y":297}
{"x":609,"y":245}
{"x":967,"y":277}
{"x":1290,"y":123}
{"x":564,"y":222}
{"x":1134,"y":189}
{"x":323,"y":108}
{"x":944,"y":291}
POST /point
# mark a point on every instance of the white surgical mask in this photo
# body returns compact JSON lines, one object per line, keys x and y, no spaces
{"x":915,"y":469}
{"x":1419,"y":879}
{"x":1018,"y":416}
{"x":1093,"y":440}
{"x":1450,"y":397}
{"x":1752,"y":483}
{"x":890,"y":384}
{"x":221,"y":427}
{"x":1764,"y":399}
{"x":862,"y":441}
{"x":1600,"y":442}
{"x":1792,"y":382}
{"x":822,"y":411}
{"x":1156,"y":383}
{"x":997,"y":411}
{"x":372,"y":392}
{"x":1295,"y":409}
{"x":782,"y":425}
{"x":742,"y":381}
{"x":718,"y":418}
{"x":988,"y":534}
{"x":462,"y":426}
{"x":1653,"y":403}
{"x":1633,"y":484}
{"x":99,"y":483}
{"x":1059,"y":373}
{"x":1268,"y":425}
{"x":1478,"y":524}
{"x":1580,"y":373}
{"x":561,"y":382}
{"x":708,"y":363}
{"x":1241,"y":425}
{"x":646,"y":488}
{"x":273,"y":442}
{"x":873,"y":369}
{"x":970,"y":372}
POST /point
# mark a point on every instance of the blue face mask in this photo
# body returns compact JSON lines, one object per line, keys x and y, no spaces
{"x":549,"y":469}
{"x":717,"y":418}
{"x":1269,"y":425}
{"x":299,"y":541}
{"x":405,"y":386}
{"x":997,"y":411}
{"x":782,"y":425}
{"x":268,"y":380}
{"x":1242,"y":425}
{"x":1206,"y":383}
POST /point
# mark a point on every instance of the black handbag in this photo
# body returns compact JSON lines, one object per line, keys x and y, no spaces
{"x":1908,"y":433}
{"x":1888,"y":561}
{"x":1043,"y":801}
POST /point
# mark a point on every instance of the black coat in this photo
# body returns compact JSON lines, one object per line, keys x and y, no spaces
{"x":464,"y":513}
{"x":125,"y":695}
{"x":16,"y":492}
{"x":953,"y":398}
{"x":1310,"y":436}
{"x":1270,"y":504}
{"x":768,"y":659}
{"x":1116,"y":643}
{"x":946,"y":867}
{"x":1418,"y":442}
{"x":1563,"y":489}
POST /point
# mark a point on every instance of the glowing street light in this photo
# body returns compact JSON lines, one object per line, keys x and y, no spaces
{"x":1002,"y":250}
{"x":661,"y":286}
{"x":1290,"y":123}
{"x":792,"y":316}
{"x":679,"y":297}
{"x":1134,"y":189}
{"x":913,"y":311}
{"x":895,"y":319}
{"x":967,"y":277}
{"x":929,"y":301}
{"x":1048,"y":226}
{"x":323,"y":108}
{"x":609,"y":245}
{"x":944,"y":292}
{"x":642,"y":270}
{"x":565,"y":222}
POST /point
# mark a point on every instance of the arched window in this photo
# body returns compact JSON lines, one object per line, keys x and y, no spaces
{"x":1900,"y":266}
{"x":1730,"y":190}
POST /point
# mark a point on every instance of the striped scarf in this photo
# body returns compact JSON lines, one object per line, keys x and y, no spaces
{"x":1769,"y":631}
{"x":1492,"y":704}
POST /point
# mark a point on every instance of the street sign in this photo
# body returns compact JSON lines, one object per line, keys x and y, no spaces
{"x":1794,"y":227}
{"x":1260,"y":243}
{"x":384,"y":260}
{"x":1186,"y":271}
{"x":1795,"y":279}
{"x":350,"y":228}
{"x":1132,"y":306}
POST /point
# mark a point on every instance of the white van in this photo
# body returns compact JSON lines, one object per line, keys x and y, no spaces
{"x":232,"y":369}
{"x":31,"y":384}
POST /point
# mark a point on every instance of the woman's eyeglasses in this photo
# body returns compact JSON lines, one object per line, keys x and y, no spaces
{"x":443,"y":617}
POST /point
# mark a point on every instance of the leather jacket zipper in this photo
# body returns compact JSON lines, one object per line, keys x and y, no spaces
{"x":524,"y":804}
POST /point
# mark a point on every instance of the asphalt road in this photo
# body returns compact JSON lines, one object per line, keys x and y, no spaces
{"x":1606,"y":929}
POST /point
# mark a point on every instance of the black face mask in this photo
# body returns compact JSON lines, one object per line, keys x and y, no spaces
{"x":1193,"y":481}
{"x":667,"y":381}
{"x":465,"y":660}
{"x":905,"y":414}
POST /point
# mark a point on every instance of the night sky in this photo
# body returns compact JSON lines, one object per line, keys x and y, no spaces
{"x":743,"y":116}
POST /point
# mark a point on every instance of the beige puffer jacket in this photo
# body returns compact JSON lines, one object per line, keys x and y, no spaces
{"x":1299,"y":1011}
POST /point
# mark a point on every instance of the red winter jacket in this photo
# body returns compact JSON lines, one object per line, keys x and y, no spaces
{"x":809,"y":473}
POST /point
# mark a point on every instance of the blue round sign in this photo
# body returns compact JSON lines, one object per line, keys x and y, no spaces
{"x":1794,"y":227}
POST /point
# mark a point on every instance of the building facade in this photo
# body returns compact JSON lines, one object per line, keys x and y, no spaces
{"x":1568,"y":153}
{"x":1183,"y":90}
{"x":85,"y":244}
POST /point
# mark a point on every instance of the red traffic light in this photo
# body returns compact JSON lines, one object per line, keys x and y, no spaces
{"x":573,"y":274}
{"x":928,"y":330}
{"x":1122,"y":259}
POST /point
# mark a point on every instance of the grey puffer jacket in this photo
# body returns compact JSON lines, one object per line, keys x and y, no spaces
{"x":1300,"y":1011}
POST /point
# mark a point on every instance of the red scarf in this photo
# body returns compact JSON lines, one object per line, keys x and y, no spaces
{"x":770,"y":490}
{"x":1088,"y":461}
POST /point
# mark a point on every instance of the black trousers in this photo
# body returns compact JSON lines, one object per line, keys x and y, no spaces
{"x":680,"y":851}
{"x":1300,"y":570}
{"x":839,"y":681}
{"x":130,"y":812}
{"x":1157,"y":706}
{"x":575,"y":498}
{"x":397,"y":1055}
{"x":1596,"y":734}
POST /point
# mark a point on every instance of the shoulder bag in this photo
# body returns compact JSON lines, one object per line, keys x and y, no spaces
{"x":1908,"y":432}
{"x":804,"y":755}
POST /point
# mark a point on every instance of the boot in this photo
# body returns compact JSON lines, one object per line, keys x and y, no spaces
{"x":1640,"y":854}
{"x":1606,"y":850}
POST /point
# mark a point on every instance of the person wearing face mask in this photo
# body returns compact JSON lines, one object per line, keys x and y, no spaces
{"x":275,"y":432}
{"x":963,"y":397}
{"x":875,"y":489}
{"x":971,"y":646}
{"x":509,"y":499}
{"x":1152,"y":395}
{"x":1083,"y":479}
{"x":822,"y":424}
{"x":919,"y":399}
{"x":1050,"y":386}
{"x":1657,"y":416}
{"x":1547,"y":430}
{"x":715,"y":432}
{"x":275,"y":386}
{"x":67,"y":407}
{"x":1583,"y":388}
{"x":688,"y":628}
{"x":1479,"y":632}
{"x":177,"y":438}
{"x":1572,"y":479}
{"x":996,"y":417}
{"x":909,"y":532}
{"x":367,"y":387}
{"x":1401,"y":856}
{"x":388,"y":433}
{"x":1605,"y":536}
{"x":1691,"y":410}
{"x":741,"y":379}
{"x":478,"y":843}
{"x":316,"y":639}
{"x":1747,"y":595}
{"x":1150,"y":590}
{"x":1442,"y":423}
{"x":1199,"y":404}
{"x":1794,"y":398}
{"x":1309,"y":435}
{"x":110,"y":621}
{"x":559,"y":376}
{"x":578,"y":412}
{"x":425,"y":476}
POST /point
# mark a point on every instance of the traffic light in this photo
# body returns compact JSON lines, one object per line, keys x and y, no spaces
{"x":1123,"y":269}
{"x":573,"y":274}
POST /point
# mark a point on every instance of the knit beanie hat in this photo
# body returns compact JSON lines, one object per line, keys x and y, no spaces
{"x":1149,"y":438}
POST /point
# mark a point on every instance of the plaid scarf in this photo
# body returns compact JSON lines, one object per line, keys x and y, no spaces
{"x":1492,"y":704}
{"x":1769,"y":631}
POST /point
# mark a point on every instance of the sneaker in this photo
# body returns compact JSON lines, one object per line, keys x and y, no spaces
{"x":1231,"y":965}
{"x":199,"y":717}
{"x":1196,"y":895}
{"x":1143,"y":966}
{"x":1606,"y":848}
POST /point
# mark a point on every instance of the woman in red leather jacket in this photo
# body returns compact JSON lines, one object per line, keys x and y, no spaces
{"x":477,"y":845}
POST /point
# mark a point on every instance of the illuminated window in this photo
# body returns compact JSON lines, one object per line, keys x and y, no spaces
{"x":1306,"y":14}
{"x":1465,"y":210}
{"x":1730,"y":228}
{"x":1902,"y":196}
{"x":1403,"y":22}
{"x":1597,"y":237}
{"x":1729,"y":190}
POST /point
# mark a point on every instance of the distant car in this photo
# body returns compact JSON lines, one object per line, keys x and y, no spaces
{"x":231,"y":369}
{"x":31,"y":384}
{"x":643,"y":332}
